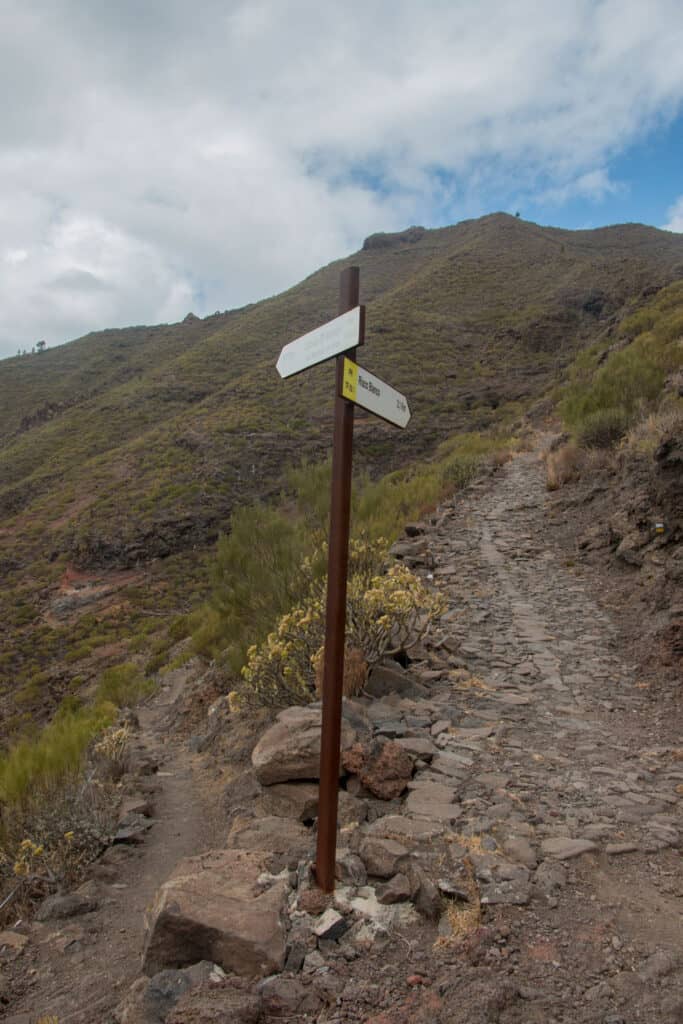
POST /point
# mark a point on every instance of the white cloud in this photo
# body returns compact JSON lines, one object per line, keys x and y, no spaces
{"x":675,"y":215}
{"x":594,"y":185}
{"x":156,"y":158}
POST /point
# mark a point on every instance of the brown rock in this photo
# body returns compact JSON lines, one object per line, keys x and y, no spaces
{"x":298,"y":800}
{"x":351,"y":810}
{"x":313,"y":901}
{"x":224,"y":1005}
{"x":290,"y":749}
{"x":213,"y":907}
{"x":396,"y":890}
{"x":274,"y":835}
{"x":384,"y":769}
{"x":382,"y":857}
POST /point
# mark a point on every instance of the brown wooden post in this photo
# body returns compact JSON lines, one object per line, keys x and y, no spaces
{"x":335,"y":628}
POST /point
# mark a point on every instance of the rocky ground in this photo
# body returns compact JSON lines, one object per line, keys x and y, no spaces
{"x":510,"y":819}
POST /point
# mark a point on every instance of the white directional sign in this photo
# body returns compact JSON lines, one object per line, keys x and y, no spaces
{"x":374,"y":394}
{"x":334,"y":337}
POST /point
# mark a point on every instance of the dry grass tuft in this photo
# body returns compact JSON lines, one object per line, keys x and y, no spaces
{"x":471,"y":683}
{"x":355,"y":672}
{"x":562,"y":466}
{"x":646,"y":435}
{"x":464,"y":918}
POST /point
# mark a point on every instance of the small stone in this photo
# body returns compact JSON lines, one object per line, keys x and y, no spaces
{"x":521,"y":851}
{"x":134,"y":831}
{"x":313,"y":901}
{"x":441,"y":726}
{"x":273,"y":835}
{"x":427,"y":899}
{"x":451,"y":891}
{"x":416,"y":979}
{"x":550,"y":876}
{"x":331,"y":926}
{"x":61,"y":907}
{"x":350,"y":869}
{"x":564,"y":848}
{"x":382,"y":857}
{"x":615,"y":849}
{"x":396,"y":890}
{"x":298,"y":800}
{"x":659,"y":965}
{"x":314,"y":961}
{"x":513,"y":893}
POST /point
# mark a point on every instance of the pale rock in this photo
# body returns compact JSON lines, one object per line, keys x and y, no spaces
{"x":521,"y":851}
{"x":563,"y":848}
{"x":290,"y":749}
{"x":330,"y":926}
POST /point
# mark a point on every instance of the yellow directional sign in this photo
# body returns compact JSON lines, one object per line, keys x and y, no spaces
{"x":375,"y":395}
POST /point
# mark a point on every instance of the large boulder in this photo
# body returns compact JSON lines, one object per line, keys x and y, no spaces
{"x":215,"y":907}
{"x":290,"y":749}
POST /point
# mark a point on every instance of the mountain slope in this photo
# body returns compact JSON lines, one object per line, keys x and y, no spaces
{"x":129,"y":446}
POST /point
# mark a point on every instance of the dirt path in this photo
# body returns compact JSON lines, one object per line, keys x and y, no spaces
{"x":77,"y":970}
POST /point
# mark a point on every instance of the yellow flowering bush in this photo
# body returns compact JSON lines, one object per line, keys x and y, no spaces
{"x":42,"y":866}
{"x":110,"y":753}
{"x":386,"y":611}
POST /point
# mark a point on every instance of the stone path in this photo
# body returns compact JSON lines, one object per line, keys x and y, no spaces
{"x":546,"y":732}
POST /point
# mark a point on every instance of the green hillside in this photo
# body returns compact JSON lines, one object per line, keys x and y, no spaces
{"x":123,"y":454}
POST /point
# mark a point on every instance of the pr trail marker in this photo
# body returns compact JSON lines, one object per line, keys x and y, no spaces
{"x":354,"y":386}
{"x":375,"y":395}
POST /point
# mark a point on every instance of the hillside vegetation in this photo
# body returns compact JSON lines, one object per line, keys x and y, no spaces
{"x":124,"y":454}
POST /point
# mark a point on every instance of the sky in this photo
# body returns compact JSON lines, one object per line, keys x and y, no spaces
{"x":159,"y":157}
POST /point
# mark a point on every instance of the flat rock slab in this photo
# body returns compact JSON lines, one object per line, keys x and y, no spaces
{"x":395,"y":826}
{"x":432,"y":791}
{"x":418,"y":746}
{"x":565,"y":849}
{"x":272,"y":835}
{"x":290,"y":749}
{"x":213,"y":907}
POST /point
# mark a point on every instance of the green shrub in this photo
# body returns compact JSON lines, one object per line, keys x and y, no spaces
{"x":35,"y":766}
{"x":603,"y":428}
{"x":256,"y":577}
{"x":123,"y":686}
{"x":606,"y":396}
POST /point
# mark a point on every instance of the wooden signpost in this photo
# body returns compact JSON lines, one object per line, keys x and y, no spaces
{"x":354,"y":386}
